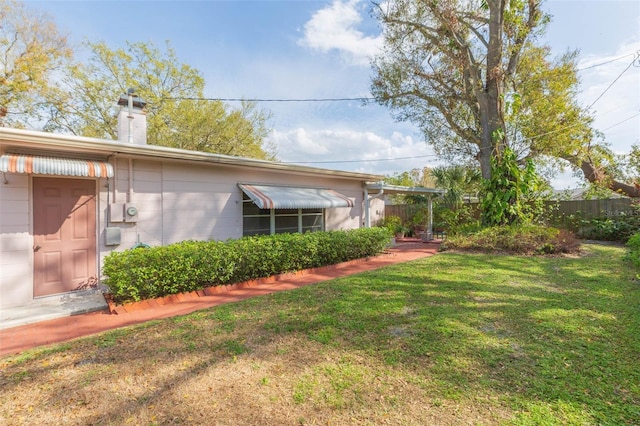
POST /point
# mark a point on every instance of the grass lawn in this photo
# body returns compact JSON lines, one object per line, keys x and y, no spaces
{"x":447,"y":340}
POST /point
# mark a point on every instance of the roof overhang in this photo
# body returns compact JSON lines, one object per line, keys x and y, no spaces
{"x":42,"y":142}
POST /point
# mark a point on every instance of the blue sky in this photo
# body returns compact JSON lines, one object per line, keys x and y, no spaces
{"x":276,"y":49}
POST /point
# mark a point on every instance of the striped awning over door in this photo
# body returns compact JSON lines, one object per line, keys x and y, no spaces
{"x":291,"y":197}
{"x":39,"y":165}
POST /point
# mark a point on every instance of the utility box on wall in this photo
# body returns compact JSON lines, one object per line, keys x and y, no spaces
{"x":130,"y":212}
{"x":116,"y":212}
{"x":112,"y":236}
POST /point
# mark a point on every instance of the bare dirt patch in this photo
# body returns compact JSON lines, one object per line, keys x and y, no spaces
{"x":285,"y":380}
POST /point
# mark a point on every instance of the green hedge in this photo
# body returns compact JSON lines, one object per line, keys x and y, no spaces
{"x":140,"y":274}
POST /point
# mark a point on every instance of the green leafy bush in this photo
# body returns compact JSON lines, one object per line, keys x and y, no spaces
{"x":611,"y":226}
{"x":140,"y":274}
{"x":633,"y":255}
{"x":516,"y":239}
{"x":393,"y":224}
{"x":510,"y":196}
{"x":459,"y":221}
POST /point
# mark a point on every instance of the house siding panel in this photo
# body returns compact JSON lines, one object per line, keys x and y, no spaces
{"x":193,"y":205}
{"x":16,"y":283}
{"x":15,"y":220}
{"x":16,"y":242}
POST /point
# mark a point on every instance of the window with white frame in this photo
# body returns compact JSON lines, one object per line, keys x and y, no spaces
{"x":257,"y":221}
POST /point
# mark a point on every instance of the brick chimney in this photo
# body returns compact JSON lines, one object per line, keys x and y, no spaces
{"x":132,"y":119}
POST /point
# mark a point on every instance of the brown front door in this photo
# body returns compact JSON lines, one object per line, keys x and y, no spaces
{"x":64,"y":235}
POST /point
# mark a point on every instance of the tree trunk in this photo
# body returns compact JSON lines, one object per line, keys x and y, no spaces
{"x":491,"y":100}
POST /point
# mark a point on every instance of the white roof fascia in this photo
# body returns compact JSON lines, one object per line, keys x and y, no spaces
{"x":79,"y":144}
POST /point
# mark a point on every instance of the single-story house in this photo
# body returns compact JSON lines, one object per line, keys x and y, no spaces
{"x":66,"y":202}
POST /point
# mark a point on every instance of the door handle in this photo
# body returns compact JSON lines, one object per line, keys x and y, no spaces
{"x":36,"y":248}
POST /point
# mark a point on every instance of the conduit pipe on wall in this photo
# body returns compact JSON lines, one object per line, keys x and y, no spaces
{"x":130,"y":116}
{"x":115,"y":180}
{"x":130,"y":189}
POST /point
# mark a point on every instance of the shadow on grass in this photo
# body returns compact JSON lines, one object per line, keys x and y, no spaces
{"x":553,"y":336}
{"x":549,"y":338}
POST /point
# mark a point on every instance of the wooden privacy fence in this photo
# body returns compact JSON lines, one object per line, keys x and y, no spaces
{"x":590,"y":209}
{"x":403,"y":211}
{"x":556,"y":211}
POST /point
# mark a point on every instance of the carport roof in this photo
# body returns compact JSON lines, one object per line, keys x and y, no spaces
{"x":396,"y":189}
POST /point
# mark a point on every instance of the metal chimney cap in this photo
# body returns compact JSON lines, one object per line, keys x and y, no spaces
{"x":137,"y":101}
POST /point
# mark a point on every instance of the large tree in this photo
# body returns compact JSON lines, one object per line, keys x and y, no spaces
{"x":470,"y":75}
{"x":208,"y":126}
{"x":41,"y":86}
{"x":32,"y":50}
{"x":177,"y":114}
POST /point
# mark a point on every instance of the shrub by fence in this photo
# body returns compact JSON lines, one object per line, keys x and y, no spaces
{"x":609,"y":219}
{"x":139,"y":274}
{"x":606,"y":219}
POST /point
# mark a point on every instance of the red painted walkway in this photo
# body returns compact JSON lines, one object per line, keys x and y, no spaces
{"x":17,"y":339}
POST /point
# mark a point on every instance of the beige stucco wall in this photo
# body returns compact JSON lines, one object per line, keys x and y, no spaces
{"x":176,"y":201}
{"x":179,"y":201}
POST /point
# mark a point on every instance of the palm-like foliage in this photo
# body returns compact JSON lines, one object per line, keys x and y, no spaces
{"x":458,"y":181}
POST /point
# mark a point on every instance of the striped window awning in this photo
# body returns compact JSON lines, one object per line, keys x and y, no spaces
{"x":33,"y":164}
{"x":291,"y":197}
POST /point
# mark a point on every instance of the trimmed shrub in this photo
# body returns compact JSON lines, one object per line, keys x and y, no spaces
{"x":139,"y":274}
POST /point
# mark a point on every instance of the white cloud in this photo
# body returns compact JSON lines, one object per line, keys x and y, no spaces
{"x":361,"y":151}
{"x":335,"y":28}
{"x":296,"y":143}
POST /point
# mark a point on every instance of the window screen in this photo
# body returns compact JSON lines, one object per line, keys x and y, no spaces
{"x":257,"y":221}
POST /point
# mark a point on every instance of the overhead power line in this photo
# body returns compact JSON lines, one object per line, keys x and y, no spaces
{"x":620,"y":122}
{"x":359,"y":161}
{"x":358,"y":98}
{"x":362,"y":99}
{"x":606,"y":62}
{"x":612,"y":83}
{"x":636,"y":58}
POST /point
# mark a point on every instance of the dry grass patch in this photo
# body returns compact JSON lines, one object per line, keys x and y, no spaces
{"x":452,"y":339}
{"x":289,"y":380}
